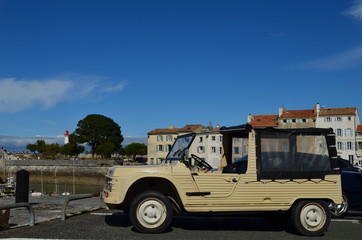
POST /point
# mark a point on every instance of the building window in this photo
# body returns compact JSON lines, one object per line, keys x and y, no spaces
{"x":328,"y":119}
{"x":339,"y":132}
{"x":304,"y":120}
{"x":168,"y":147}
{"x":152,"y":161}
{"x":285,"y":121}
{"x":159,"y":148}
{"x":213,"y":149}
{"x":200,"y":149}
{"x":294,"y":120}
{"x":220,"y":150}
{"x":349,"y":118}
{"x":338,"y":119}
{"x":159,"y":138}
{"x":168,"y":138}
{"x":350,"y":158}
{"x":360,"y":145}
{"x":213,"y":138}
{"x":349,"y":145}
{"x":349,"y":132}
{"x":339,"y":146}
{"x":221,"y":137}
{"x":201,"y":139}
{"x":236,"y":150}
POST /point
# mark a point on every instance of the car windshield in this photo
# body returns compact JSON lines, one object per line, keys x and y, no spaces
{"x":180,"y":146}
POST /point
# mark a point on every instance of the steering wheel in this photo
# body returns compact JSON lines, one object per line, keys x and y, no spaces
{"x":201,"y":163}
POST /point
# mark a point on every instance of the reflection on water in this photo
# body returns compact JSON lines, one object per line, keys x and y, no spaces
{"x":64,"y":187}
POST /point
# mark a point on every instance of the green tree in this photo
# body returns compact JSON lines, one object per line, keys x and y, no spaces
{"x":105,"y":149}
{"x":95,"y":130}
{"x":135,"y":149}
{"x":72,"y":149}
{"x":52,"y":149}
{"x":38,"y":147}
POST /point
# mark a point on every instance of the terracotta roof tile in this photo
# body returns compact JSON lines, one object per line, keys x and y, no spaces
{"x":338,"y":111}
{"x":165,"y":130}
{"x":191,"y":127}
{"x":187,"y":128}
{"x":359,"y":128}
{"x":264,"y":121}
{"x":309,"y":113}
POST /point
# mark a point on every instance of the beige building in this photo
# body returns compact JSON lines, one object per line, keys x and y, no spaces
{"x":160,"y":140}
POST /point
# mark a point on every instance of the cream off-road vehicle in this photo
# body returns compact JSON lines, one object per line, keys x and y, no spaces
{"x":282,"y":173}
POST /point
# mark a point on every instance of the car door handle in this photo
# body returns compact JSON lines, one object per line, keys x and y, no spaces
{"x":231,"y":180}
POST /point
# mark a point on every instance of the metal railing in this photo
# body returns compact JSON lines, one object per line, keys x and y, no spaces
{"x":22,"y":204}
{"x":75,"y":197}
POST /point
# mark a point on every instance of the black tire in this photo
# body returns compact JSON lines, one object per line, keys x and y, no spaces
{"x":150,"y":212}
{"x":311,"y":217}
{"x":341,"y":210}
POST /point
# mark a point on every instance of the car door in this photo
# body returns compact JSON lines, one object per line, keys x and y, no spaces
{"x":215,"y":185}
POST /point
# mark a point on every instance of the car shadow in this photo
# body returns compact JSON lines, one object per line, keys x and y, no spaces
{"x":192,"y":223}
{"x":229,"y":224}
{"x":118,"y":220}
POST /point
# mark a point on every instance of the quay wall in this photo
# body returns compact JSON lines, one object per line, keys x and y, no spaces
{"x":82,"y":171}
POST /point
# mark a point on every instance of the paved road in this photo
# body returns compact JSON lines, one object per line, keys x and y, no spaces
{"x":110,"y":225}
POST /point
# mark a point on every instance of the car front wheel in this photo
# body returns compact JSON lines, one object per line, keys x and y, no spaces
{"x":311,"y":217}
{"x":150,"y":212}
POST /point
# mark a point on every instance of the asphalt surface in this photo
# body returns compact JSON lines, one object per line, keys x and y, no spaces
{"x":110,"y":224}
{"x":47,"y":208}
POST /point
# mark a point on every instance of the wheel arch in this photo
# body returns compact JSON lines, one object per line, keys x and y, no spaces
{"x":162,"y":185}
{"x":327,"y":200}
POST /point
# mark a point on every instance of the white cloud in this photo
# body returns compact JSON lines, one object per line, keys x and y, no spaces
{"x":18,"y":143}
{"x":22,"y":94}
{"x":17,"y":95}
{"x":340,"y":61}
{"x":117,"y":88}
{"x":355,"y":11}
{"x":13,"y":143}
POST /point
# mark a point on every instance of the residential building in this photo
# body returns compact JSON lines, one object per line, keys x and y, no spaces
{"x":160,"y":140}
{"x":296,"y":118}
{"x":208,"y":146}
{"x":344,"y":121}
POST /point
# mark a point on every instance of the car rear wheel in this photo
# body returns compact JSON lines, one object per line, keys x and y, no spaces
{"x":342,"y":209}
{"x":150,"y":212}
{"x":311,"y":217}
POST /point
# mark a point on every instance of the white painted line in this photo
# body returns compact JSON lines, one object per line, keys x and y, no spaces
{"x":107,"y":214}
{"x":346,"y":220}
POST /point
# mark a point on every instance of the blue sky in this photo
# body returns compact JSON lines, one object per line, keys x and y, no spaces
{"x":149,"y":64}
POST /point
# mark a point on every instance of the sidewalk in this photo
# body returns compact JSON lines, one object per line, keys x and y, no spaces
{"x":47,"y":208}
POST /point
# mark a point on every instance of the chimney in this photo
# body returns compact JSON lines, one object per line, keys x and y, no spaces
{"x":281,"y":110}
{"x":317,"y":109}
{"x":171,"y":127}
{"x":250,"y":118}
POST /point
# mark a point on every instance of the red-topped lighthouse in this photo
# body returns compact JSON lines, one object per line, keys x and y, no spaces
{"x":66,"y":137}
